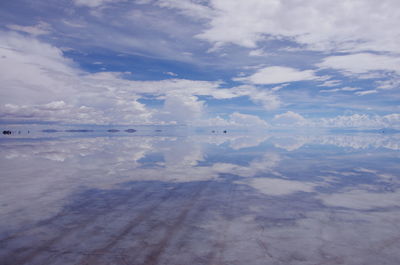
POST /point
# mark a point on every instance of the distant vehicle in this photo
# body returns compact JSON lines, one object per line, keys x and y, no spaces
{"x":224,"y":131}
{"x":130,"y":130}
{"x":6,"y":132}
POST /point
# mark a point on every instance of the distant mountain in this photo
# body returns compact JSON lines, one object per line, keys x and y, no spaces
{"x":81,"y":130}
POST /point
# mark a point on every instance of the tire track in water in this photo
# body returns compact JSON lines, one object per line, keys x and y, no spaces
{"x":94,"y":256}
{"x":53,"y":219}
{"x":216,"y":256}
{"x":155,"y":254}
{"x":67,"y":231}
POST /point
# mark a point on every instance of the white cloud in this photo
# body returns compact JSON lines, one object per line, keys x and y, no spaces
{"x":317,"y":25}
{"x":290,"y":118}
{"x":171,"y":73}
{"x":355,"y":121}
{"x":42,"y":28}
{"x":346,"y":89}
{"x":247,"y":120}
{"x":266,"y":97}
{"x":190,"y":8}
{"x":362,"y":63}
{"x":388,"y":84}
{"x":236,"y":119}
{"x":277,"y":75}
{"x":181,"y":109}
{"x":257,"y":52}
{"x":331,"y":83}
{"x":51,"y":77}
{"x":366,"y":92}
{"x":93,"y":3}
{"x":362,"y":121}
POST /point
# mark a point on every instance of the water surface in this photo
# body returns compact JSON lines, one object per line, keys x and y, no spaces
{"x":200,"y":199}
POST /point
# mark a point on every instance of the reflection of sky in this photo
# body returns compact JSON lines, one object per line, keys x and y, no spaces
{"x":200,"y":199}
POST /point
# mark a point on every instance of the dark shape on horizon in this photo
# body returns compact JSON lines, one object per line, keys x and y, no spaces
{"x":224,"y":131}
{"x":130,"y":130}
{"x":113,"y":130}
{"x":48,"y":131}
{"x":6,"y":132}
{"x":79,"y":130}
{"x":213,"y":131}
{"x":158,"y":130}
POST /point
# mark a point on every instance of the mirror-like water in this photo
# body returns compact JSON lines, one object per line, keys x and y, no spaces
{"x":201,"y":199}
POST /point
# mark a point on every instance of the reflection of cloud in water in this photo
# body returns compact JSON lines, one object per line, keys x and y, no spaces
{"x":289,"y":143}
{"x":361,"y":141}
{"x":184,"y":152}
{"x":264,"y":165}
{"x":274,"y":186}
{"x":236,"y":142}
{"x":167,"y":201}
{"x":247,"y":141}
{"x":362,"y":199}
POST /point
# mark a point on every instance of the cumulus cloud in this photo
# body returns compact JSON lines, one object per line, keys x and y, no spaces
{"x":277,"y":75}
{"x":363,"y":121}
{"x":182,"y":110}
{"x":247,"y":120}
{"x":290,"y":118}
{"x":266,"y":97}
{"x":355,"y":121}
{"x":235,"y":119}
{"x":50,"y":77}
{"x":362,"y":63}
{"x":53,"y":111}
{"x":338,"y":26}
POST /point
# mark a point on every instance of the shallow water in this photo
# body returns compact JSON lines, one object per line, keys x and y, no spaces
{"x":200,"y":199}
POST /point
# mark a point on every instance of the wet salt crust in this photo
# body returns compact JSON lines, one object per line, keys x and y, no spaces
{"x":201,"y":199}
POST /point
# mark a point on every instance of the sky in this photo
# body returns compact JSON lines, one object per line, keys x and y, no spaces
{"x":255,"y":63}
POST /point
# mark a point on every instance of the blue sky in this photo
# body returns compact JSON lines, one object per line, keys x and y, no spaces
{"x":266,"y":64}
